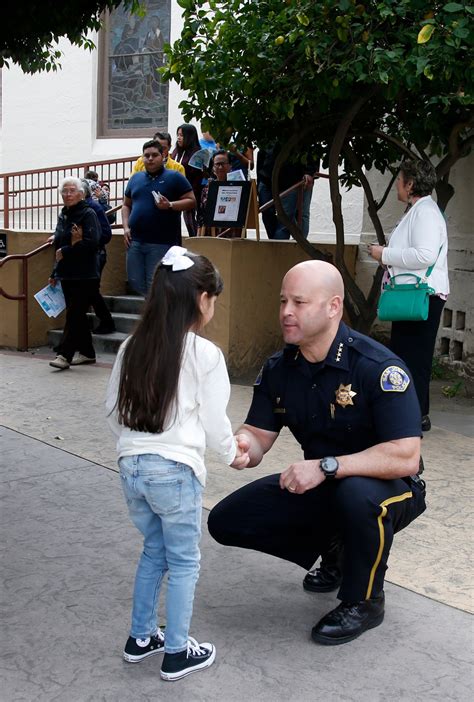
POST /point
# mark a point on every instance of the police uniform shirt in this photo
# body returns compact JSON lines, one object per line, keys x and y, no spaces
{"x":359,"y":396}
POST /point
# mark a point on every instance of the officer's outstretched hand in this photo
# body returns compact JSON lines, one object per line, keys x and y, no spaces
{"x":301,"y":476}
{"x":242,"y":457}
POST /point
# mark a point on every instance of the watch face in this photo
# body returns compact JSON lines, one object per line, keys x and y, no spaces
{"x":329,"y":464}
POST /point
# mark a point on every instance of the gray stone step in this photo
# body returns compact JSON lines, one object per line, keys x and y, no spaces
{"x":129,"y":304}
{"x":103,"y":343}
{"x":124,"y":322}
{"x":125,"y":310}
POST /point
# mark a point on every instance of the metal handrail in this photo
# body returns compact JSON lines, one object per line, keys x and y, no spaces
{"x":22,"y":297}
{"x":31,"y":198}
{"x":270,"y":203}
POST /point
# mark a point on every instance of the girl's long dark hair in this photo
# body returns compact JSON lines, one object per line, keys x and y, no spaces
{"x":153,"y":355}
{"x":190,"y":139}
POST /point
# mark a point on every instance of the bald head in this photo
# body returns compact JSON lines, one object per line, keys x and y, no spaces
{"x":317,"y":277}
{"x":311,"y":306}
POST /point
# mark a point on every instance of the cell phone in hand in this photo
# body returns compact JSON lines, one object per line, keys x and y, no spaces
{"x":158,"y":197}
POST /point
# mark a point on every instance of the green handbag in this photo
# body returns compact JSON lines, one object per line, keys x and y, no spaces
{"x":406,"y":302}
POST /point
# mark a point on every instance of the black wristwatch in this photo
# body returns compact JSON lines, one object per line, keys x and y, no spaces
{"x":329,"y":465}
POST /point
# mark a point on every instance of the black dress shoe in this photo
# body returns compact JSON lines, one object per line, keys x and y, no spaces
{"x":425,"y":423}
{"x":348,"y":621}
{"x":322,"y":579}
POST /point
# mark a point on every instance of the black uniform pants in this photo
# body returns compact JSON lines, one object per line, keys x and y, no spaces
{"x":77,"y":334}
{"x":298,"y":528}
{"x":414,"y":342}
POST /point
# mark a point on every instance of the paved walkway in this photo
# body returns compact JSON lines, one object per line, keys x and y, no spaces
{"x":69,"y":555}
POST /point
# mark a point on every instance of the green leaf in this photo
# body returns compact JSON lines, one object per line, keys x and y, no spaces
{"x":453,"y":7}
{"x":302,"y":19}
{"x":425,"y":33}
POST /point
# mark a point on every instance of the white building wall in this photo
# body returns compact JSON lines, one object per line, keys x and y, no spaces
{"x":50,"y":119}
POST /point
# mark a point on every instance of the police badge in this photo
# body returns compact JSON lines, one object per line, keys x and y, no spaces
{"x":344,"y":395}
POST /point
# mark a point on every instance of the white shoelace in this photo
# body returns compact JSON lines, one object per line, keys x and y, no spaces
{"x":194,"y":647}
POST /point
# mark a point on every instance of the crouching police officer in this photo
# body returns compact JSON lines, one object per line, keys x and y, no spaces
{"x":351,"y":405}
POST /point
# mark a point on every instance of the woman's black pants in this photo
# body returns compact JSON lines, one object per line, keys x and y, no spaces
{"x":414,"y":342}
{"x":77,"y":334}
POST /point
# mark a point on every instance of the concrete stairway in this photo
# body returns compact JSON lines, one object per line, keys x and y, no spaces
{"x":125,"y":309}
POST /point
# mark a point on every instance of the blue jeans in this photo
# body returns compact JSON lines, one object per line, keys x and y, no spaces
{"x":164,"y":500}
{"x":142,"y":260}
{"x":275,"y":229}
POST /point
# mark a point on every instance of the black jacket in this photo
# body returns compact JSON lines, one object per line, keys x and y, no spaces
{"x":80,"y":262}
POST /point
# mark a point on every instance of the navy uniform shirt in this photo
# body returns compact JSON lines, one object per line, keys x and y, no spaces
{"x":359,"y":396}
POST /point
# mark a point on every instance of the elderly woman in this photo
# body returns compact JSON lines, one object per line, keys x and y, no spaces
{"x":76,"y":241}
{"x":418,"y":241}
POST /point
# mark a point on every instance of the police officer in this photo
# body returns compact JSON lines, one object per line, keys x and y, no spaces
{"x":351,"y":405}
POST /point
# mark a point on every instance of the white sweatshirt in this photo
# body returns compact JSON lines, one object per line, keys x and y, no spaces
{"x":200,"y":418}
{"x":415,"y":243}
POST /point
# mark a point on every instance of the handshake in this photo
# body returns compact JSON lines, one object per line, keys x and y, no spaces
{"x":242,"y":457}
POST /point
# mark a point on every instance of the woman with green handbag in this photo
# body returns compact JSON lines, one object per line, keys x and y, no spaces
{"x":417,"y":250}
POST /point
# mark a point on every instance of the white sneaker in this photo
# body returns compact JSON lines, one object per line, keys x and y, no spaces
{"x":60,"y":362}
{"x":196,"y":657}
{"x":80,"y":359}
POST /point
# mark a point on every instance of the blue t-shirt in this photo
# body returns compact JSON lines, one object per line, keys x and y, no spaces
{"x":148,"y":224}
{"x":359,"y":396}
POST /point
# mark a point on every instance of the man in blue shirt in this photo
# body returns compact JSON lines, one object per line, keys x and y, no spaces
{"x":351,"y":405}
{"x":151,"y":215}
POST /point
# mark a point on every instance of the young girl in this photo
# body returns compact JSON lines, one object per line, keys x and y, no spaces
{"x":166,"y":402}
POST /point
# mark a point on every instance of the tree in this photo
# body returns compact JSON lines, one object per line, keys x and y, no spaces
{"x":361,"y":83}
{"x":30,"y":30}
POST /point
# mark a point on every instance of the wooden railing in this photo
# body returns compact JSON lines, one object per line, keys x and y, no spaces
{"x":29,"y":200}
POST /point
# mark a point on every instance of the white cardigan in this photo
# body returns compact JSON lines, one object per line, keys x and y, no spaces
{"x":414,"y":245}
{"x":201,"y":420}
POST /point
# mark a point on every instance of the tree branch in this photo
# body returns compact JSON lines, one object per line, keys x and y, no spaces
{"x":355,"y":302}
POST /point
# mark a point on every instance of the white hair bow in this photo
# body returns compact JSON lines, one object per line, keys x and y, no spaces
{"x":177,"y":259}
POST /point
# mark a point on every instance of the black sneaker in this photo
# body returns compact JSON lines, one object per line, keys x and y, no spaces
{"x":196,"y":657}
{"x":138,"y":649}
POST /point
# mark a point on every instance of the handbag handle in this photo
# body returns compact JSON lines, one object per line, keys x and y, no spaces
{"x":419,"y":281}
{"x":430,"y":269}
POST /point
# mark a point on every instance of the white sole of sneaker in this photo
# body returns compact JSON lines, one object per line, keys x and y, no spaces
{"x":171,"y":677}
{"x":137,"y":659}
{"x":58,"y":367}
{"x":83,"y":363}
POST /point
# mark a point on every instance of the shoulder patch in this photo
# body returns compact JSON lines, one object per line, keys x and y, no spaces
{"x":394,"y":379}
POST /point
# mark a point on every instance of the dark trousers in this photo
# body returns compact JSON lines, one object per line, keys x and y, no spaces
{"x":414,"y":342}
{"x":77,"y":334}
{"x":98,"y":303}
{"x":298,"y":528}
{"x":190,"y":220}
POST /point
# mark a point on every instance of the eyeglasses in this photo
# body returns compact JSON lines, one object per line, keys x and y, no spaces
{"x":69,"y":191}
{"x":221,"y":165}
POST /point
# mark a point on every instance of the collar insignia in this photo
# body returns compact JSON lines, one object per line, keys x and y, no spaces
{"x":339,"y":353}
{"x":344,"y":395}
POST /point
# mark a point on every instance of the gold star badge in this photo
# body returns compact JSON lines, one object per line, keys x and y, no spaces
{"x":344,"y":395}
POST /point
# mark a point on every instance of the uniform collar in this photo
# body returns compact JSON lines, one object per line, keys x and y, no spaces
{"x":338,"y":355}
